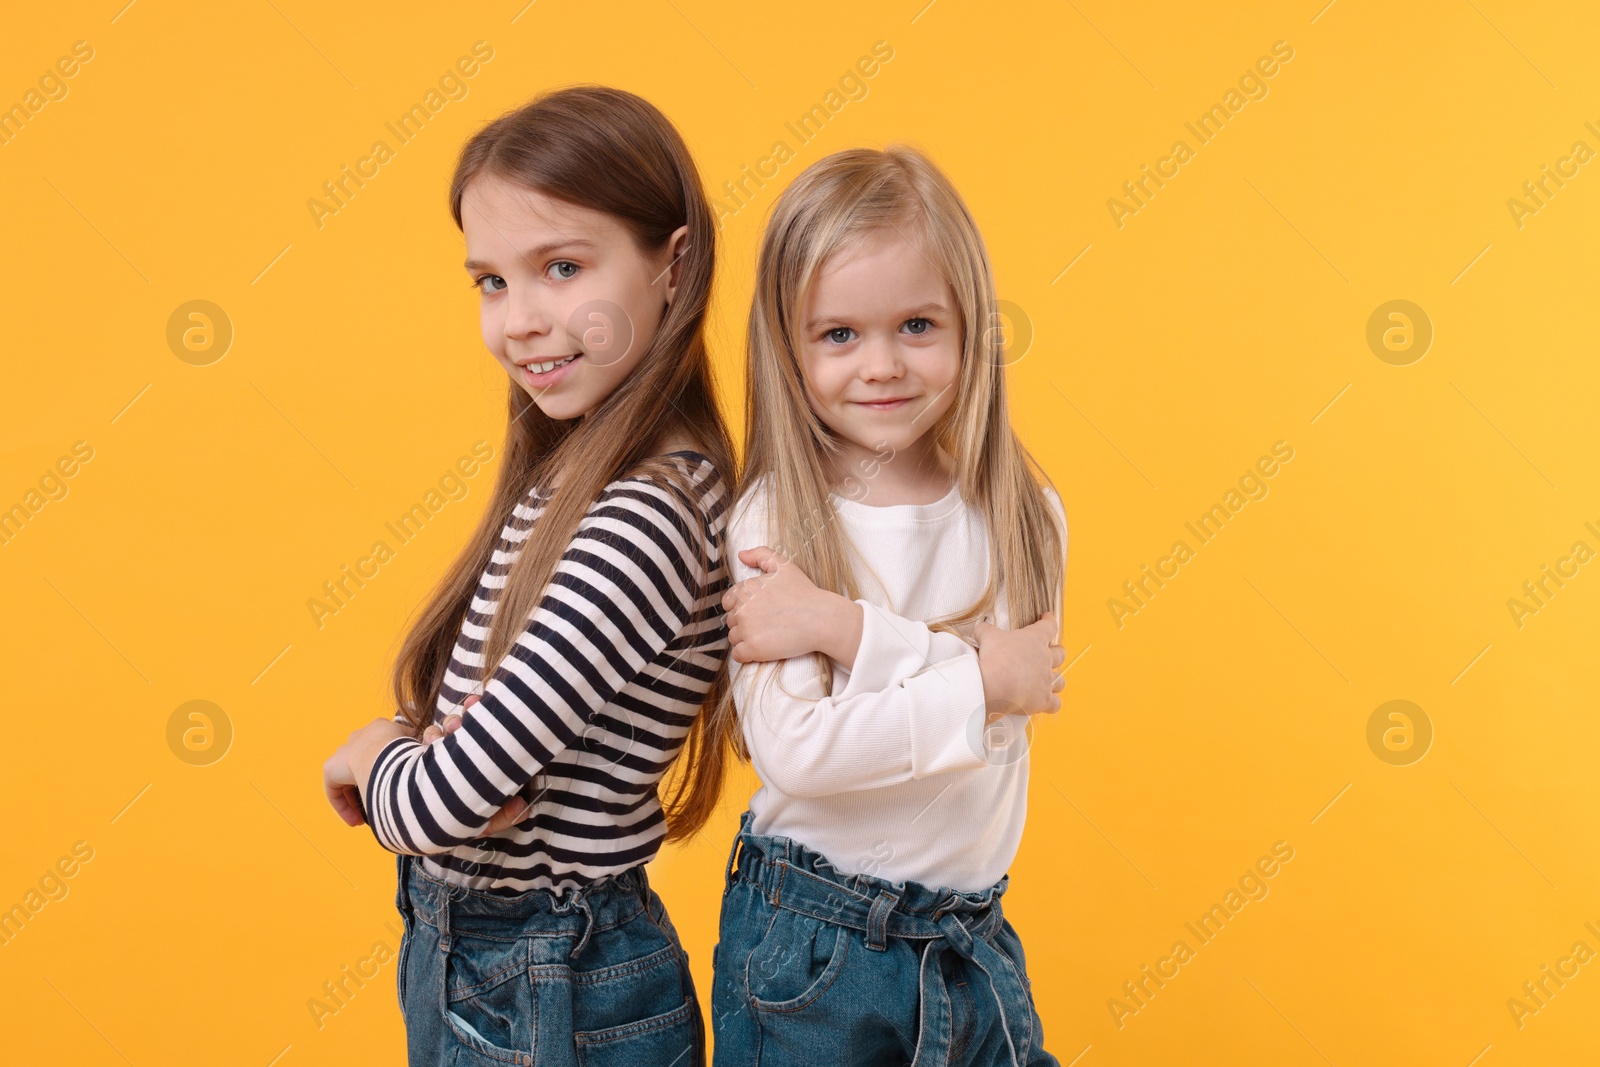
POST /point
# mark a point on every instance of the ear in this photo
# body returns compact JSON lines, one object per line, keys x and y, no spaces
{"x":677,"y":244}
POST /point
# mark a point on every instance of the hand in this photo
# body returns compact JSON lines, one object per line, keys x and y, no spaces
{"x":345,"y":773}
{"x":1019,"y":666}
{"x":513,"y":810}
{"x":780,"y":613}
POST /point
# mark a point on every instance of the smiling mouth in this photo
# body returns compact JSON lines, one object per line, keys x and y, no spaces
{"x":886,"y":404}
{"x":547,"y":365}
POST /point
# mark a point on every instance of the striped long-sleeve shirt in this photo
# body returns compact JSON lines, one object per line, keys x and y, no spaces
{"x":596,"y":697}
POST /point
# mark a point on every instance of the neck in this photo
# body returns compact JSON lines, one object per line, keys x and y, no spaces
{"x":921,"y":473}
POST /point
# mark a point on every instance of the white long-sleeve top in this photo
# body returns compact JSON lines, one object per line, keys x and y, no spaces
{"x":896,"y":774}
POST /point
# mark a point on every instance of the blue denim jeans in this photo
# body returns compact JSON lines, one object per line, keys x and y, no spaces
{"x":594,"y":978}
{"x":817,"y":967}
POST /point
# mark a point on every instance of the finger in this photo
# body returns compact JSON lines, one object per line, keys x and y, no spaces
{"x":431,"y":734}
{"x":345,"y":805}
{"x":471,"y":700}
{"x":510,"y":813}
{"x":353,"y":798}
{"x":1059,"y":684}
{"x":1060,"y":657}
{"x":980,"y":629}
{"x":452,"y":723}
{"x":763,"y":557}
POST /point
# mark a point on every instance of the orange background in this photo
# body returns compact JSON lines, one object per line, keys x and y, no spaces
{"x":1167,"y":354}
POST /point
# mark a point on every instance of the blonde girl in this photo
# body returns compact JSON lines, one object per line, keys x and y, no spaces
{"x":899,"y":563}
{"x":577,"y":642}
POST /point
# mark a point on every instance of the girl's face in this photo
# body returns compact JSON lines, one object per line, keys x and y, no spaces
{"x":569,"y":303}
{"x":880,"y":344}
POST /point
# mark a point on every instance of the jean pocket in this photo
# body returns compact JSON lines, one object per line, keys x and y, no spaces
{"x":668,"y":1040}
{"x":487,"y":1000}
{"x":796,"y":962}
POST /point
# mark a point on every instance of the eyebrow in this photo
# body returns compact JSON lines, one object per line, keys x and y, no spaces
{"x":910,"y":313}
{"x":539,"y":251}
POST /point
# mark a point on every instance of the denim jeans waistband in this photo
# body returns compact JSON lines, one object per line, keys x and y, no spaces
{"x":452,"y":908}
{"x":794,"y":876}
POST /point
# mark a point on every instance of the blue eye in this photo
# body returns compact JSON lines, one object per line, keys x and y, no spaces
{"x":833,"y":334}
{"x":477,"y":283}
{"x":558,"y":264}
{"x":927,"y":324}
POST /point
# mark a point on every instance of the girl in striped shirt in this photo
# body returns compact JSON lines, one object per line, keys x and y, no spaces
{"x":575,"y":649}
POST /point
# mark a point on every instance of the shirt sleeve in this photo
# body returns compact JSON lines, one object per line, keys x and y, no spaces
{"x":911,"y":707}
{"x":627,"y":584}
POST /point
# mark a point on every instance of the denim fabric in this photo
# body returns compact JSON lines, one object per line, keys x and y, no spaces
{"x":818,"y":967}
{"x":593,"y":978}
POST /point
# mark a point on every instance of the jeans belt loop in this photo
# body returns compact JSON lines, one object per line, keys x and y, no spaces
{"x":878,"y":919}
{"x":581,"y":903}
{"x":442,"y":897}
{"x":403,"y":895}
{"x":734,"y":855}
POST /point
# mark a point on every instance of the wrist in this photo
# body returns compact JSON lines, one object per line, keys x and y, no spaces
{"x":365,"y":749}
{"x":996,"y":691}
{"x":840,"y":622}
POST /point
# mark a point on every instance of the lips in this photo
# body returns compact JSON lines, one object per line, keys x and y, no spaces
{"x":559,"y":369}
{"x":544,"y":366}
{"x":885,"y":404}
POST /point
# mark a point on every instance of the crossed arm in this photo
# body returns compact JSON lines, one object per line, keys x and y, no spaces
{"x":916,"y":702}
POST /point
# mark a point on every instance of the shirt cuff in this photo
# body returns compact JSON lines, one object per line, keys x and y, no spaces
{"x":891,"y":650}
{"x":948,"y":719}
{"x":941,"y":677}
{"x":384,"y":755}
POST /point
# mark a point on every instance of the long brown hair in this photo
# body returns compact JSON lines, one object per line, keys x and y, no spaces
{"x":829,"y":207}
{"x":614,"y":152}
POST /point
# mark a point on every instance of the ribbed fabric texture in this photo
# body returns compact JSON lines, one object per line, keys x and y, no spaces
{"x":896,"y":773}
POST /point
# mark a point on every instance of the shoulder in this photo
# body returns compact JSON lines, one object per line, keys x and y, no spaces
{"x":747,"y":524}
{"x":1054,"y":499}
{"x":681,"y":497}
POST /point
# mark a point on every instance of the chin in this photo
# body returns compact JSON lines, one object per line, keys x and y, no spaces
{"x":894,"y":436}
{"x":559,"y":408}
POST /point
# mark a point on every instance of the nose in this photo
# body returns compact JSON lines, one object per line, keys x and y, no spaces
{"x":527,"y":314}
{"x":880,"y":360}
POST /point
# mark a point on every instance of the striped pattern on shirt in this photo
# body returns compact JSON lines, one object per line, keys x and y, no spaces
{"x":596,"y":697}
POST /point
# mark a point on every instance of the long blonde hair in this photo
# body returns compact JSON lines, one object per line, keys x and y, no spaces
{"x":611,"y":151}
{"x":830,"y":206}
